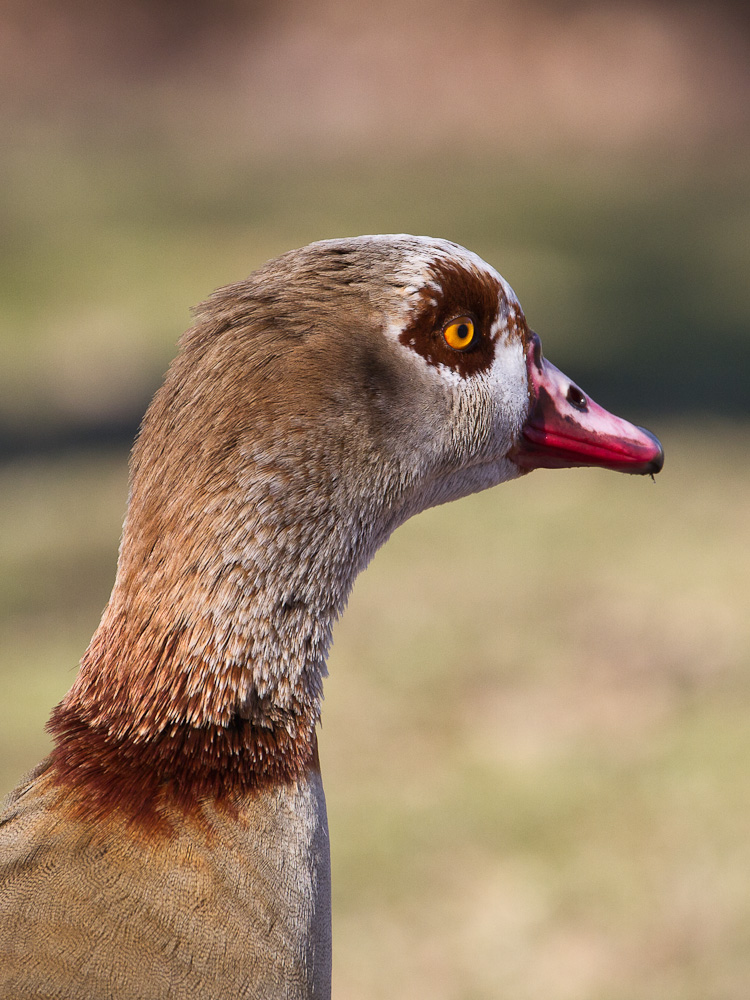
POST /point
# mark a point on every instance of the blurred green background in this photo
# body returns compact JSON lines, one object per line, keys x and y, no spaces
{"x":535,"y":737}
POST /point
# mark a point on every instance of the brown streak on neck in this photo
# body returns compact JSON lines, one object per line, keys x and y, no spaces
{"x":177,"y":769}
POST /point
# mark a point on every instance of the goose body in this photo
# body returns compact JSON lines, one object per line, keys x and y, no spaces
{"x":174,"y":843}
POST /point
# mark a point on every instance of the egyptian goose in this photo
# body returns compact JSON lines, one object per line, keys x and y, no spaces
{"x":174,"y":843}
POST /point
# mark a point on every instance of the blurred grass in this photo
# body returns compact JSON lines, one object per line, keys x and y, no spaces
{"x":535,"y":736}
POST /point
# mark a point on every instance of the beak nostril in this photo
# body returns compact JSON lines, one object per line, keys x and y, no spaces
{"x":577,"y":398}
{"x":536,"y":351}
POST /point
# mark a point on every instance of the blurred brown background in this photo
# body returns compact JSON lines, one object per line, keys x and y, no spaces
{"x":535,"y":748}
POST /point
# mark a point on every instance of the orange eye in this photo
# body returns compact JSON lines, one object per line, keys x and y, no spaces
{"x":459,"y":334}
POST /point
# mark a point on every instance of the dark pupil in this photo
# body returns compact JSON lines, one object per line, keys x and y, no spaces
{"x":463,"y":331}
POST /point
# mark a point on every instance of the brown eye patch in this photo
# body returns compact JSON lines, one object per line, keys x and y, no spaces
{"x":452,"y":324}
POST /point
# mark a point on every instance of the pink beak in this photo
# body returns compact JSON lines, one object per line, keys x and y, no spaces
{"x":565,"y":428}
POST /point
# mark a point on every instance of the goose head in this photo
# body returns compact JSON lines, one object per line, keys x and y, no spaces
{"x":407,"y":366}
{"x":394,"y":358}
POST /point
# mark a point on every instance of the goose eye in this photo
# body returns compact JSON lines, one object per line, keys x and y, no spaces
{"x":459,"y":334}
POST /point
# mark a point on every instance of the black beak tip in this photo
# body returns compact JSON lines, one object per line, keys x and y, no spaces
{"x":657,"y":462}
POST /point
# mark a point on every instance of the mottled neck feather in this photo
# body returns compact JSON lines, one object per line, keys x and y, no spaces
{"x":243,"y":537}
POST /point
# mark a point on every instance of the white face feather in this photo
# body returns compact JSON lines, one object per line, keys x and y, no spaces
{"x":489,"y":410}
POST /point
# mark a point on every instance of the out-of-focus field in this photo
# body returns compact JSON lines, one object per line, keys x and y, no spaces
{"x":535,"y":737}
